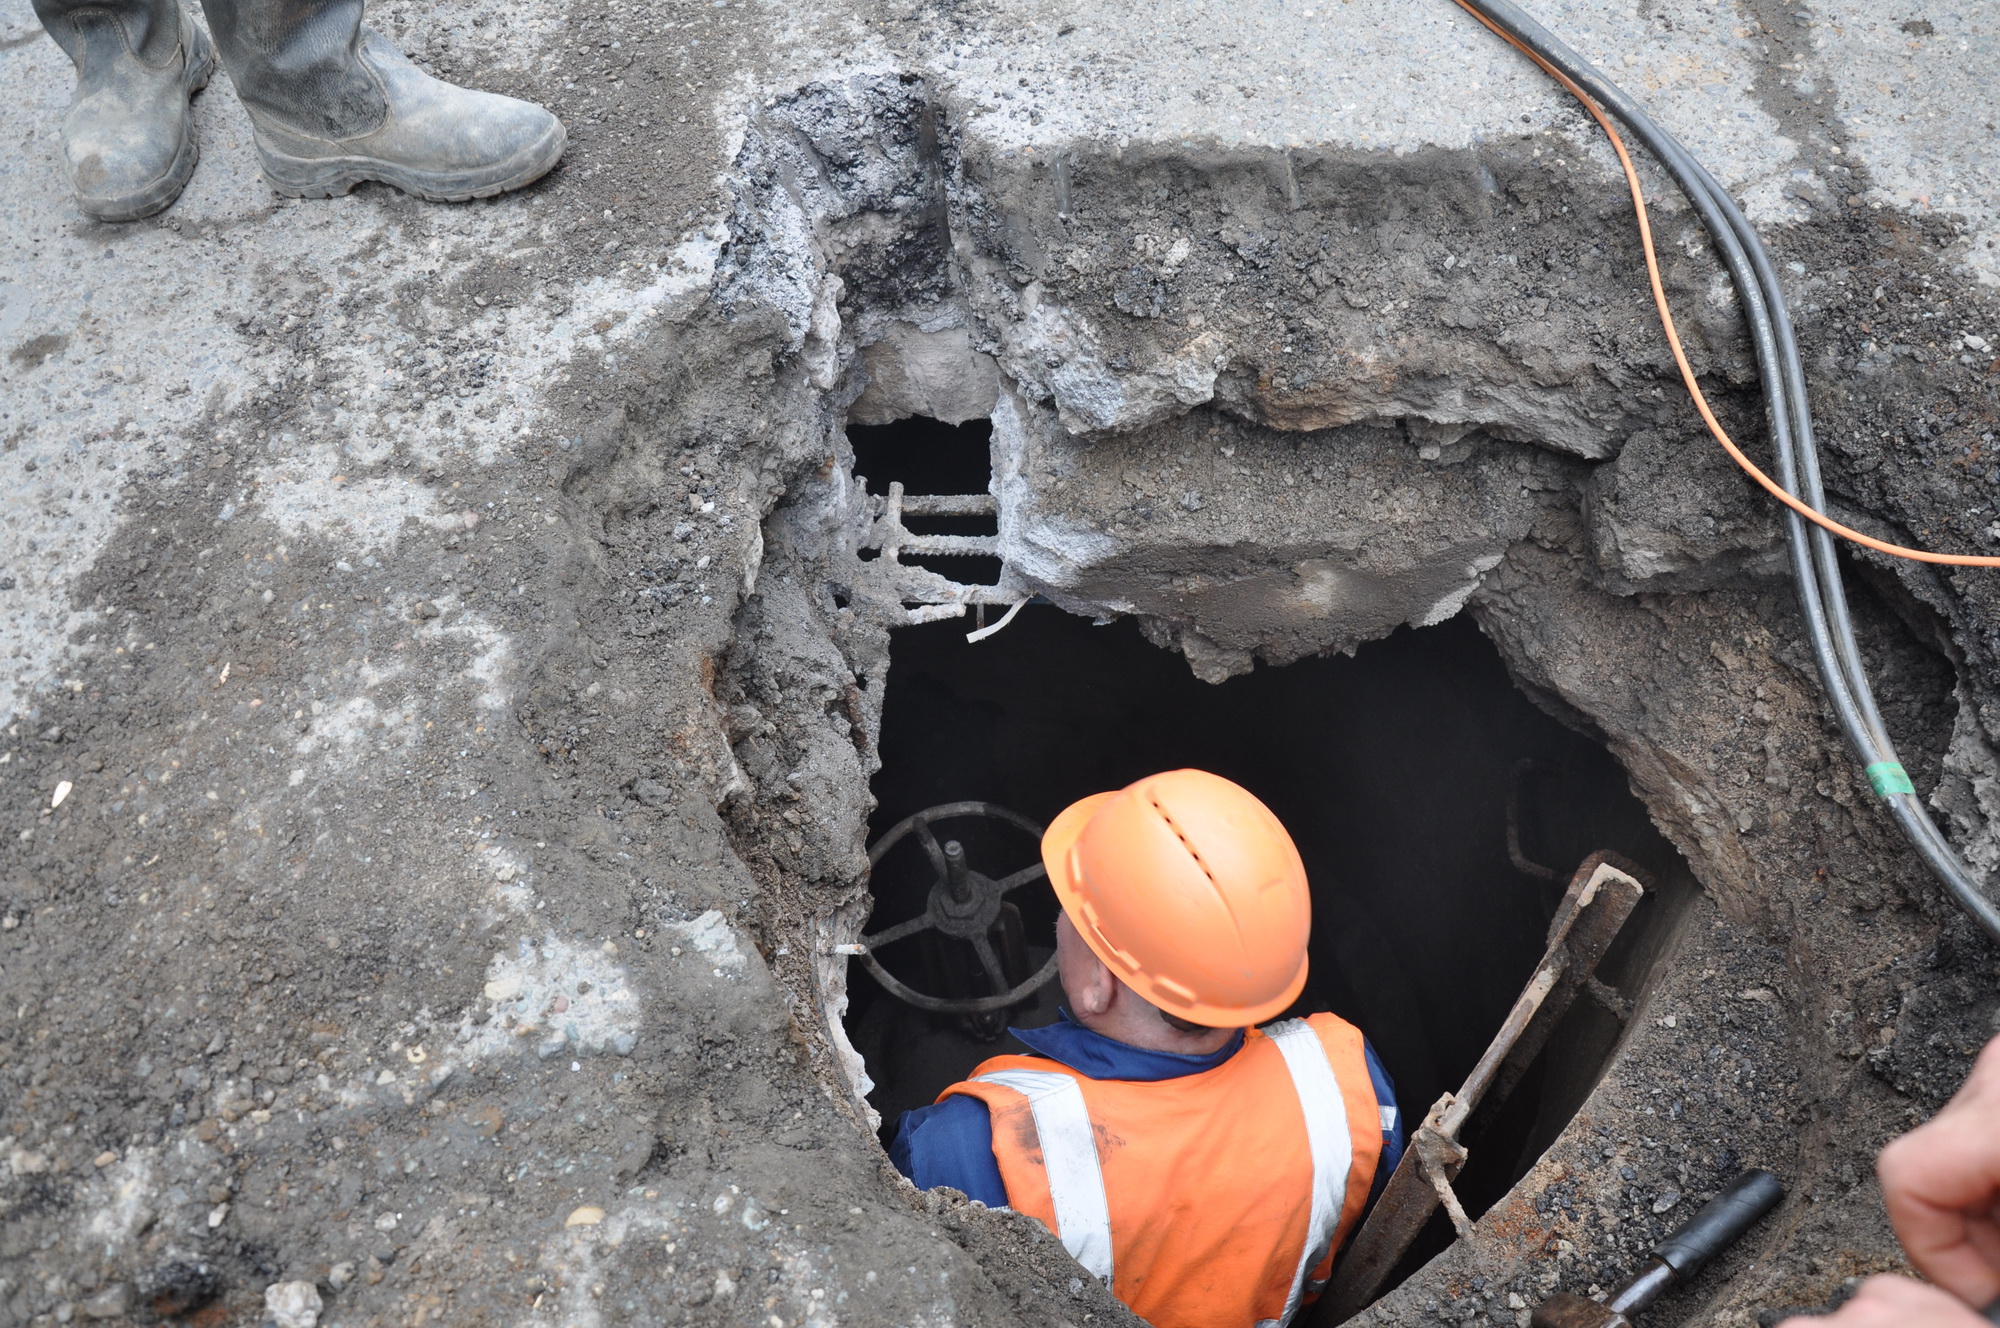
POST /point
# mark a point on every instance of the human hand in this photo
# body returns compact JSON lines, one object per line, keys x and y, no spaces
{"x":1941,"y":1185}
{"x":1896,"y":1302}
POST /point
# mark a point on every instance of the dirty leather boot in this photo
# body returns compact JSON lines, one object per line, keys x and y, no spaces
{"x":333,"y":103}
{"x":128,"y":140}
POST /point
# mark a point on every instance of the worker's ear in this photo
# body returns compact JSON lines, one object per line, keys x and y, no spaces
{"x":1090,"y":986}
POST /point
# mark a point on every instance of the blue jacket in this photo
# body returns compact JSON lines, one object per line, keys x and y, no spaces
{"x":951,"y":1142}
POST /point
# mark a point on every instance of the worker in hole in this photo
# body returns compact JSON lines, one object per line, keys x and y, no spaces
{"x":1206,"y":1169}
{"x":331,"y":102}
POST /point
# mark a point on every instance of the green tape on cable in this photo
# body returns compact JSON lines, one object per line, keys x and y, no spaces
{"x":1888,"y":778}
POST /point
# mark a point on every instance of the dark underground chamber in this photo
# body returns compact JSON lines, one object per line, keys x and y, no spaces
{"x":1393,"y":770}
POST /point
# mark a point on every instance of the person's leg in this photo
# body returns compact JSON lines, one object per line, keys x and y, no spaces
{"x":128,"y":141}
{"x":333,"y":103}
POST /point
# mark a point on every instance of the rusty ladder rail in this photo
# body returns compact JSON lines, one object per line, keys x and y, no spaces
{"x":1601,"y":896}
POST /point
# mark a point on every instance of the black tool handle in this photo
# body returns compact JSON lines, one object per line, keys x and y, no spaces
{"x":1992,"y":1312}
{"x":1725,"y":1217}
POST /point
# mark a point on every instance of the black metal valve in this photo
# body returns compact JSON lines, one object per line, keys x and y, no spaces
{"x":964,"y":904}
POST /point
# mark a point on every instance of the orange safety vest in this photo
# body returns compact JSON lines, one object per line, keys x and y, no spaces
{"x":1213,"y":1200}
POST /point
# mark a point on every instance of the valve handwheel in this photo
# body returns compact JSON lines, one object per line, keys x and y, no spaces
{"x":963,"y":904}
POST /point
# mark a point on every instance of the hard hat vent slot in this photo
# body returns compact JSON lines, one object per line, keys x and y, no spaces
{"x":1181,"y":834}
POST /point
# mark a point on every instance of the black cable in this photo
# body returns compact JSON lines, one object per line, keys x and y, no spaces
{"x":1814,"y":557}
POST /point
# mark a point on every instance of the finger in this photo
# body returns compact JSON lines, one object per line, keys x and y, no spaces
{"x":1917,"y":1304}
{"x":1941,"y":1193}
{"x":1983,"y":1234}
{"x":1941,"y":1186}
{"x":1895,"y":1302}
{"x":1950,"y":1161}
{"x":1943,"y":1246}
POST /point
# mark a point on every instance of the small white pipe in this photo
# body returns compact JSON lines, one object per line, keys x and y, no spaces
{"x":1005,"y":618}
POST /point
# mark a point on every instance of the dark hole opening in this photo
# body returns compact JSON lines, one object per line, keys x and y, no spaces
{"x":1392,"y":770}
{"x":930,"y":456}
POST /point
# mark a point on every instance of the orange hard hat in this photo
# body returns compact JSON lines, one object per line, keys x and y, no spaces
{"x":1188,"y":889}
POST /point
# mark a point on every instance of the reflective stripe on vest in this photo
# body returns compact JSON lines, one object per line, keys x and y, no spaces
{"x":1076,"y":1181}
{"x":1326,"y":1134}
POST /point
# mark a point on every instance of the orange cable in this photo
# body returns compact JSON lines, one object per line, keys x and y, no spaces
{"x":1680,"y":356}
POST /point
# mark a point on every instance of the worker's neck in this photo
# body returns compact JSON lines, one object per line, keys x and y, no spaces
{"x":1131,"y":1020}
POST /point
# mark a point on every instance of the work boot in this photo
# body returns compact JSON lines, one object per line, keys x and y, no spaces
{"x":333,"y":103}
{"x":128,"y":140}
